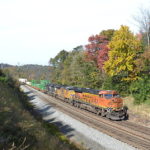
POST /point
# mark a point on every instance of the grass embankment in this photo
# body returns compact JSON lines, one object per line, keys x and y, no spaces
{"x":21,"y":128}
{"x":142,"y":109}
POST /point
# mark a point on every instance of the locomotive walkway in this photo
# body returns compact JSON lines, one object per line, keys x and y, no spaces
{"x":127,"y":132}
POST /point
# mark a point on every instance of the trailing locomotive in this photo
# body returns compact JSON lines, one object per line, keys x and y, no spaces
{"x":106,"y":103}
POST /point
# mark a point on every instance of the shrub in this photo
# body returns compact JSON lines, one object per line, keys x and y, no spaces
{"x":140,"y":90}
{"x":115,"y":83}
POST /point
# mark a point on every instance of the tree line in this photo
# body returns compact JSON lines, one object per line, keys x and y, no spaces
{"x":30,"y":71}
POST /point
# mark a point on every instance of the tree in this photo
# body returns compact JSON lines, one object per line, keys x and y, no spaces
{"x":57,"y":64}
{"x":123,"y":51}
{"x":108,"y":33}
{"x":84,"y":73}
{"x":97,"y":50}
{"x":143,"y":62}
{"x":78,"y":48}
{"x":140,"y":89}
{"x":143,"y":20}
{"x":59,"y":58}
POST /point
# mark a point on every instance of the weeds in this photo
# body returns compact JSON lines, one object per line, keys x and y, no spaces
{"x":21,"y":128}
{"x":142,"y":109}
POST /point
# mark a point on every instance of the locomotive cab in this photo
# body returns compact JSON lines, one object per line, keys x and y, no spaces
{"x":113,"y":105}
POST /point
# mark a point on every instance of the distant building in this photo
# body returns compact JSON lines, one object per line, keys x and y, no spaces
{"x":22,"y":80}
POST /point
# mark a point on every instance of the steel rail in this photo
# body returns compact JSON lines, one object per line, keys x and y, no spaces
{"x":123,"y":133}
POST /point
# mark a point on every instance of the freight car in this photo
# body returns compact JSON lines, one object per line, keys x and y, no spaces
{"x":39,"y":85}
{"x":106,"y":103}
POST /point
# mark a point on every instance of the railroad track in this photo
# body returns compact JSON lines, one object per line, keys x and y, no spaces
{"x":136,"y":127}
{"x":135,"y":135}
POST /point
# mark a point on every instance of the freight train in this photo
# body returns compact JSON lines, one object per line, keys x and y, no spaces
{"x":105,"y":103}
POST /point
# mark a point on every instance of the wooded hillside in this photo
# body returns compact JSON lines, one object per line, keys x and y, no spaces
{"x":31,"y":72}
{"x":116,"y":60}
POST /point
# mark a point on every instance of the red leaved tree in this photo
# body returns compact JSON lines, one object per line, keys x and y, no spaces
{"x":97,"y":50}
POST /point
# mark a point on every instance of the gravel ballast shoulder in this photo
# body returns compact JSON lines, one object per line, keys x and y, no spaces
{"x":75,"y":130}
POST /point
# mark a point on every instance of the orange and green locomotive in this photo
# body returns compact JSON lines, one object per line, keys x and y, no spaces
{"x":106,"y":103}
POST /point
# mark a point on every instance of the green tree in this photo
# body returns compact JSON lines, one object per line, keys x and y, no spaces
{"x":59,"y":58}
{"x":85,"y":73}
{"x":115,"y":83}
{"x":140,"y":90}
{"x":108,"y":33}
{"x":77,"y":71}
{"x":57,"y":64}
{"x":124,"y":48}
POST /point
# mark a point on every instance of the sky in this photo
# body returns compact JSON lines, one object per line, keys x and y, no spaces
{"x":33,"y":31}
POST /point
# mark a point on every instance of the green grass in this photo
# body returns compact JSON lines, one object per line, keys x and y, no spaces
{"x":21,"y":127}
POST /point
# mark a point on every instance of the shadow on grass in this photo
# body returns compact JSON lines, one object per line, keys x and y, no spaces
{"x":47,"y":113}
{"x":22,"y":126}
{"x":65,"y":129}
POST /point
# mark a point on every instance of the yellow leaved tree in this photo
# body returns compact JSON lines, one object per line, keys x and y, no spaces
{"x":124,"y":48}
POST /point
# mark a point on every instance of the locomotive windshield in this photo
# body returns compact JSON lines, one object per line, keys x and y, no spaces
{"x":109,"y":96}
{"x":116,"y":95}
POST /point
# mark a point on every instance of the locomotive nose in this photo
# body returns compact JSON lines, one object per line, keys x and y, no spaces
{"x":114,"y":100}
{"x":117,"y":102}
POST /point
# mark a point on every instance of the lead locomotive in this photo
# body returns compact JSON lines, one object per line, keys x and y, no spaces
{"x":106,"y":103}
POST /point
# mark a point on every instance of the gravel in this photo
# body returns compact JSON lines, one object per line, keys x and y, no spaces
{"x":76,"y":131}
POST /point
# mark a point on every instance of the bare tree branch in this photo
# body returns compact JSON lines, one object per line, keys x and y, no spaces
{"x":143,"y":19}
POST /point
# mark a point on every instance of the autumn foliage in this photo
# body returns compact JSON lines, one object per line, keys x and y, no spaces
{"x":97,"y":50}
{"x":124,"y":50}
{"x":114,"y":59}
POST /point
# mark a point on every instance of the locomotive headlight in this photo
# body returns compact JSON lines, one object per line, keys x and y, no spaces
{"x":114,"y":100}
